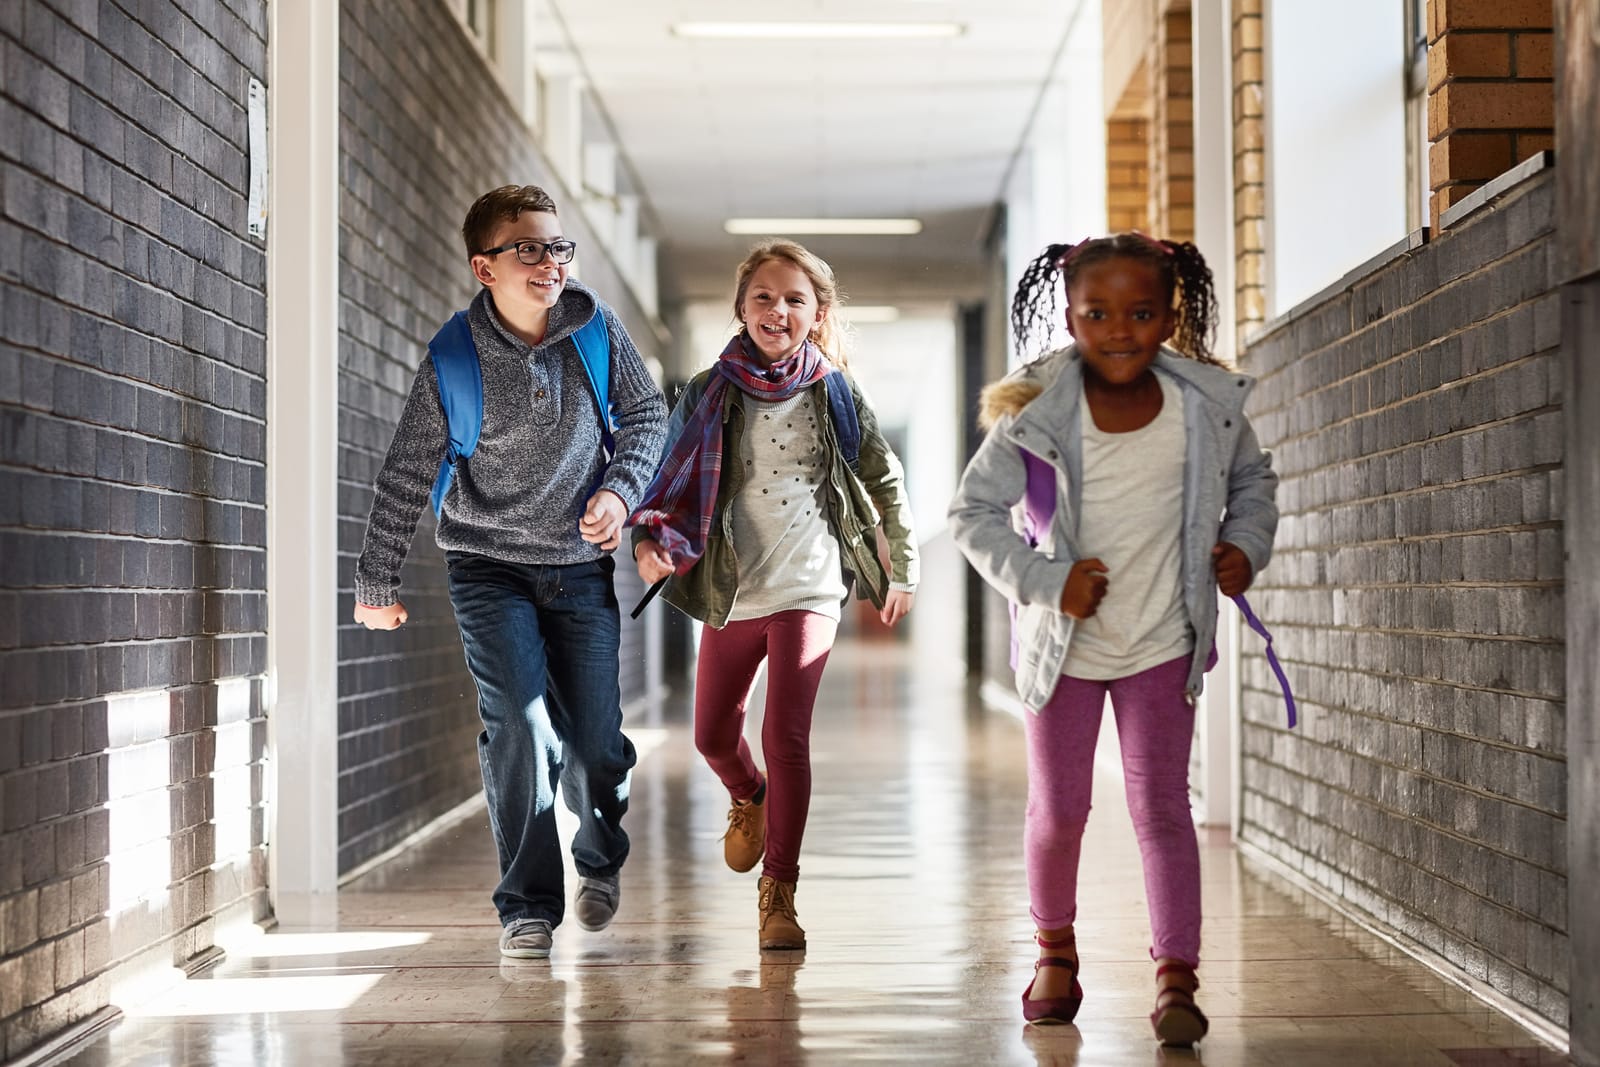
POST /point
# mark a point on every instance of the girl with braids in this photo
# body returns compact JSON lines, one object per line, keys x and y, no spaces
{"x":1143,"y":491}
{"x":757,"y":520}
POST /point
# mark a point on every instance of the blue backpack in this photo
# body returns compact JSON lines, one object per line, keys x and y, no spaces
{"x":455,"y":365}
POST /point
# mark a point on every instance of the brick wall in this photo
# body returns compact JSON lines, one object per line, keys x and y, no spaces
{"x":423,"y":130}
{"x":1172,"y":146}
{"x":132,"y":488}
{"x":1127,"y":174}
{"x":1416,"y":598}
{"x":1491,"y":92}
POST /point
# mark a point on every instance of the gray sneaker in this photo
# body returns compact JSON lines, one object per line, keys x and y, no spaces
{"x":596,"y":901}
{"x":525,"y":939}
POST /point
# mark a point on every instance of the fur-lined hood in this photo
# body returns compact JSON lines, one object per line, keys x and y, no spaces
{"x":1016,"y":390}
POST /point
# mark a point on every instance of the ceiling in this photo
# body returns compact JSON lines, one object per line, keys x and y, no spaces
{"x":713,"y":129}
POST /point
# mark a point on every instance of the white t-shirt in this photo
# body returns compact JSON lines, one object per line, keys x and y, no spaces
{"x":788,"y":557}
{"x":1131,"y":519}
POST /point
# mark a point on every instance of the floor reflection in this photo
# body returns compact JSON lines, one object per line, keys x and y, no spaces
{"x":915,"y":906}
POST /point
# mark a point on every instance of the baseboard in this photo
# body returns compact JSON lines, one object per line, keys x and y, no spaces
{"x":205,"y":959}
{"x":439,"y":822}
{"x":1535,"y":1023}
{"x":69,"y":1042}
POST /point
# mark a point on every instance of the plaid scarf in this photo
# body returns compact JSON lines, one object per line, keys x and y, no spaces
{"x":678,"y":504}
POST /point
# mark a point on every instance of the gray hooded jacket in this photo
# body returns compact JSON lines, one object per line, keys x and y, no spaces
{"x":1228,"y":494}
{"x":539,"y":456}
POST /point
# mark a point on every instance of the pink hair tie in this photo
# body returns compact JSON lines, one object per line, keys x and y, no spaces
{"x":1160,"y":244}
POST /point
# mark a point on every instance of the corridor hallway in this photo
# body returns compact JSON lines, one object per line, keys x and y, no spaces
{"x":913,"y":898}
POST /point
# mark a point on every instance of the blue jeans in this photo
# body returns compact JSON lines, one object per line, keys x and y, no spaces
{"x":541,"y":643}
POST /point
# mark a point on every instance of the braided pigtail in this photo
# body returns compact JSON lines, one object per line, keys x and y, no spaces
{"x":1033,"y":307}
{"x":1196,"y":304}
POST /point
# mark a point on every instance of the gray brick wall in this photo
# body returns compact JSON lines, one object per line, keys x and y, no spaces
{"x":1416,"y":598}
{"x":132,"y":489}
{"x":424,"y":129}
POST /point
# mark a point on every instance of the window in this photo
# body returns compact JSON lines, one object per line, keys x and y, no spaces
{"x":1417,"y":142}
{"x":479,"y":17}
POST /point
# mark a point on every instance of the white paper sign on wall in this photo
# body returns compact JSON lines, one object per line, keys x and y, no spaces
{"x":257,"y":211}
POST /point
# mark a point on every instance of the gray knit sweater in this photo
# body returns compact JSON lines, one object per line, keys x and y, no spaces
{"x":539,"y":456}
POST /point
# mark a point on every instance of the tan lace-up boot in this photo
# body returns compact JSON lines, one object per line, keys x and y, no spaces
{"x":778,"y":926}
{"x":746,"y":840}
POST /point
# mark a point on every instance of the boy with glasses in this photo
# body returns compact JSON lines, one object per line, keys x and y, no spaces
{"x":527,"y":521}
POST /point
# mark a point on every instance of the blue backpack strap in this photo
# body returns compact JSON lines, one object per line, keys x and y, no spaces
{"x":593,"y":341}
{"x":846,"y":426}
{"x":455,"y":365}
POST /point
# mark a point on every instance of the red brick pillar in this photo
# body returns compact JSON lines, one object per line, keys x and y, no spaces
{"x":1127,"y":174}
{"x":1172,"y":146}
{"x":1491,"y":93}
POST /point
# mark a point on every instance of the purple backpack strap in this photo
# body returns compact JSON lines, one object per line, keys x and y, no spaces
{"x":1272,"y":657}
{"x":1038,"y":507}
{"x":1039,"y":502}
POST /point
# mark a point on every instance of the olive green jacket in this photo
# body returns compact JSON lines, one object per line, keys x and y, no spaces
{"x":855,"y":506}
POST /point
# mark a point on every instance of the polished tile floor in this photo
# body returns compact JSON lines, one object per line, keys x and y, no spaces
{"x":913,"y":897}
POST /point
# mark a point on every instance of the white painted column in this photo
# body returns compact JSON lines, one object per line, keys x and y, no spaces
{"x":1213,"y":224}
{"x":625,"y":240}
{"x":644,"y":254}
{"x":599,"y":190}
{"x":302,"y":458}
{"x":562,"y":129}
{"x":514,"y":43}
{"x":1082,"y":88}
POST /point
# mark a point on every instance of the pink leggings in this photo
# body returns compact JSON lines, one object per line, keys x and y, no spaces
{"x":795,"y":645}
{"x":1154,"y":726}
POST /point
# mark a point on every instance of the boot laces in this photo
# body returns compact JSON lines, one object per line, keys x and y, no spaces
{"x":775,"y":898}
{"x":741,"y":819}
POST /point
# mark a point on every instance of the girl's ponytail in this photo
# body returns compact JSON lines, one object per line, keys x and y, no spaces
{"x":1033,"y":307}
{"x":1197,"y":302}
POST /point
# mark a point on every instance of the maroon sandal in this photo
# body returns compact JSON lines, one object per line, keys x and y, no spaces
{"x":1053,"y":1009}
{"x":1177,"y":1021}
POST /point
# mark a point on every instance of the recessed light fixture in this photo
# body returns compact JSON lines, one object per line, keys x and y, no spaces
{"x":819,"y":30}
{"x":846,"y":227}
{"x":864,"y":313}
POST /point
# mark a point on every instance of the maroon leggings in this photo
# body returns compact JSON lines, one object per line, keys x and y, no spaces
{"x":795,"y":645}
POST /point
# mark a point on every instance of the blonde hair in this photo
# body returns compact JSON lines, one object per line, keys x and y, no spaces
{"x":829,"y":334}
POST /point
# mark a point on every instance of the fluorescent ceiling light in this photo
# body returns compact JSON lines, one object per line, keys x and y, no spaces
{"x":819,"y":30}
{"x":863,"y":313}
{"x":851,"y":227}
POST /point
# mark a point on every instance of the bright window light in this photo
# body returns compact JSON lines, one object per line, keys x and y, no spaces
{"x":845,"y":227}
{"x":257,"y":996}
{"x":335,"y":943}
{"x":819,"y":30}
{"x":863,"y":313}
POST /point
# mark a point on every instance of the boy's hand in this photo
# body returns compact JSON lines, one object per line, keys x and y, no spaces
{"x":895,"y":606}
{"x":390,"y":618}
{"x":1232,"y":567}
{"x":602,"y":519}
{"x":654,"y":561}
{"x":1085,"y":588}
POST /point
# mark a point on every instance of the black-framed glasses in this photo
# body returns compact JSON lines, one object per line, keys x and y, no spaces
{"x":531,"y":253}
